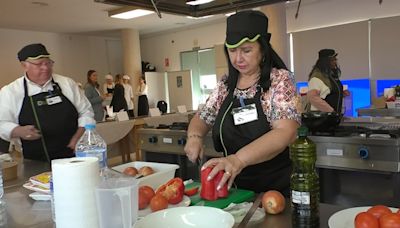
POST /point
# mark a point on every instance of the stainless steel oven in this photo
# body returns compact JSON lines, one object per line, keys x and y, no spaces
{"x":359,"y":166}
{"x":167,"y":145}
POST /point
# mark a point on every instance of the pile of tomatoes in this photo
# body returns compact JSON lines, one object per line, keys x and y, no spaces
{"x":168,"y":193}
{"x":378,"y":216}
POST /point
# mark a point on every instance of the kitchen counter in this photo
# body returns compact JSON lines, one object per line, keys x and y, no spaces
{"x":382,"y":112}
{"x":22,"y":211}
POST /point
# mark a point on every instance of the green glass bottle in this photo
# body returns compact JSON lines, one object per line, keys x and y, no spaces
{"x":304,"y":182}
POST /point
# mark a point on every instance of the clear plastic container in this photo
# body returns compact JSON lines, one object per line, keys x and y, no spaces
{"x":53,"y":209}
{"x":1,"y":181}
{"x":91,"y":144}
{"x":117,"y":202}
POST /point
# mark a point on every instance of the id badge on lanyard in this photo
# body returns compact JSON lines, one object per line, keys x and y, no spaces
{"x":244,"y":113}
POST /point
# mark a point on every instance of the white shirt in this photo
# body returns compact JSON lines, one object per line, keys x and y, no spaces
{"x":141,"y":90}
{"x":319,"y":85}
{"x":12,"y":96}
{"x":128,"y":95}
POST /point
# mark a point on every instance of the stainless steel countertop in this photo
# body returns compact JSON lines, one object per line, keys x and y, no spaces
{"x":22,"y":211}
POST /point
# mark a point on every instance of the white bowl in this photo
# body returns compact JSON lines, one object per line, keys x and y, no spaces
{"x":183,"y":217}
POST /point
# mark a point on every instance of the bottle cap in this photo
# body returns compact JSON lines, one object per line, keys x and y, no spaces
{"x":90,"y":126}
{"x":302,"y":131}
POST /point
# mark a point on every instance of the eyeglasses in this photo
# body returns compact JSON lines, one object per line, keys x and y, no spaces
{"x":48,"y":63}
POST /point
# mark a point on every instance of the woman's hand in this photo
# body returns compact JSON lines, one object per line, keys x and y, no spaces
{"x":232,"y":166}
{"x":194,"y":148}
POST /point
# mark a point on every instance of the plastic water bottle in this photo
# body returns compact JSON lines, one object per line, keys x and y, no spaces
{"x":3,"y":212}
{"x":53,"y":209}
{"x":1,"y":181}
{"x":91,"y":144}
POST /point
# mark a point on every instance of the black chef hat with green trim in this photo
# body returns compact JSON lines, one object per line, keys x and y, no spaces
{"x":327,"y":53}
{"x":33,"y":51}
{"x":245,"y":26}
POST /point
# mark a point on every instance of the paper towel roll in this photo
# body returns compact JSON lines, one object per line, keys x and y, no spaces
{"x":74,"y":182}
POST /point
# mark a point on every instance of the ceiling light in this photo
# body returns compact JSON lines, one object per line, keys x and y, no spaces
{"x":197,"y":2}
{"x":197,"y":18}
{"x":229,"y":14}
{"x":128,"y":13}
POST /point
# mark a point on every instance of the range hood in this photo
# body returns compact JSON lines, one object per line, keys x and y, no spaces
{"x":179,"y":7}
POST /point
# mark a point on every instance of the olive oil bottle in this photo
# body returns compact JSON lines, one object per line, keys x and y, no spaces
{"x":304,"y":182}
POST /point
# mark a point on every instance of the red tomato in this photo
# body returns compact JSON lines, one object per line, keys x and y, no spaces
{"x":365,"y":220}
{"x":391,"y":220}
{"x":158,"y":202}
{"x":379,"y":210}
{"x":173,"y":190}
{"x":130,"y":171}
{"x":147,"y":191}
{"x":273,"y":202}
{"x":191,"y":191}
{"x":143,"y":200}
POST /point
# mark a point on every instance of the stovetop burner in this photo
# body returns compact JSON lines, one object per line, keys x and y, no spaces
{"x":174,"y":126}
{"x":346,"y":131}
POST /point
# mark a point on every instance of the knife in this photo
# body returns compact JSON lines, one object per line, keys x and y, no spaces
{"x":251,"y":211}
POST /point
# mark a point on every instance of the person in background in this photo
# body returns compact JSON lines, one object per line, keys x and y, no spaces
{"x":108,"y":89}
{"x":118,"y":101}
{"x":93,"y":94}
{"x":325,"y":90}
{"x":46,"y":111}
{"x":252,"y":112}
{"x":128,"y":94}
{"x":143,"y":103}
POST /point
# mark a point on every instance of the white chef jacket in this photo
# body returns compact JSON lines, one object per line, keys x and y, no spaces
{"x":128,"y":95}
{"x":12,"y":97}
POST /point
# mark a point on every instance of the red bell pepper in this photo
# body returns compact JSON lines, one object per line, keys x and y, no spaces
{"x":209,"y":188}
{"x":173,"y":190}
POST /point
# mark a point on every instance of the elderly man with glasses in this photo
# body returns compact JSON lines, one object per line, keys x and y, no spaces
{"x":46,"y":111}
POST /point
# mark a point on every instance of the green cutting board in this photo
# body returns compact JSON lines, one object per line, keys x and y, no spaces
{"x":235,"y":196}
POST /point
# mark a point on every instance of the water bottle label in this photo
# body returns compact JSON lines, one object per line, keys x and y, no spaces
{"x":99,"y":153}
{"x":301,"y":197}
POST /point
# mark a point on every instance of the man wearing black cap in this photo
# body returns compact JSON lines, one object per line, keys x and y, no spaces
{"x":252,"y":112}
{"x":46,"y":111}
{"x":325,"y":91}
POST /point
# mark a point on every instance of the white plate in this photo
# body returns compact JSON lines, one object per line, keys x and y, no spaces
{"x":40,"y":196}
{"x":184,"y":203}
{"x":36,"y":188}
{"x":193,"y":217}
{"x":345,"y":218}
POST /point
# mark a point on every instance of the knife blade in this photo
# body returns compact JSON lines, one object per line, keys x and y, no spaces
{"x":251,"y":211}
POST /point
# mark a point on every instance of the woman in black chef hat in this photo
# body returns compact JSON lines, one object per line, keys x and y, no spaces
{"x":252,"y":111}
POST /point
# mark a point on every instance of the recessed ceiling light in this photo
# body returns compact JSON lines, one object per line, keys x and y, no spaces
{"x":197,"y":2}
{"x":229,"y":14}
{"x":131,"y":14}
{"x":197,"y":18}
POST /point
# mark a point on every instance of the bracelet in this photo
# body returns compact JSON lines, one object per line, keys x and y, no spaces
{"x":195,"y":136}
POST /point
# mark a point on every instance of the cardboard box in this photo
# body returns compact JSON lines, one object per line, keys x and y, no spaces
{"x":10,"y":170}
{"x":393,"y":104}
{"x":163,"y":172}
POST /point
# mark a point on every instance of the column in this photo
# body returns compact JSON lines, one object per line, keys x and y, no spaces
{"x":131,"y":58}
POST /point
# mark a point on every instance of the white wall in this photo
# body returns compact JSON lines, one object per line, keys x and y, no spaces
{"x":169,"y":45}
{"x":323,"y":13}
{"x":74,"y":55}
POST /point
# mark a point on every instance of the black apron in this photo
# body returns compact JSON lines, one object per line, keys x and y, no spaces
{"x":335,"y":97}
{"x":268,"y":175}
{"x":57,"y":124}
